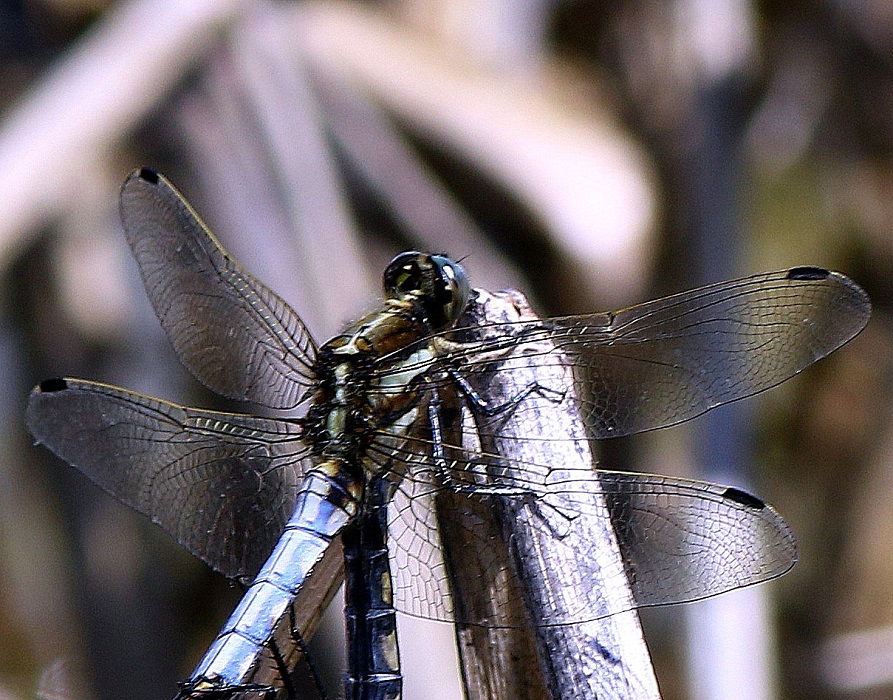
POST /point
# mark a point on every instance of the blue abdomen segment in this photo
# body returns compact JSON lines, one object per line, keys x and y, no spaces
{"x":322,"y":510}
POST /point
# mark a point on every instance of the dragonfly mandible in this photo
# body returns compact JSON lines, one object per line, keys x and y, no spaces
{"x":261,"y":499}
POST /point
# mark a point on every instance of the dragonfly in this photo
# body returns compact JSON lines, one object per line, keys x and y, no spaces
{"x":263,"y":500}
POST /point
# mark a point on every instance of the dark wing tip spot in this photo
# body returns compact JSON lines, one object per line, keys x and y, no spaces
{"x":807,"y":272}
{"x":744,"y":498}
{"x":48,"y":386}
{"x":149,"y":175}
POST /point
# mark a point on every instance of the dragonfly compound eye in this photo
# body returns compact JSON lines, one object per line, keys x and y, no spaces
{"x":452,"y":290}
{"x":404,"y":274}
{"x":438,"y":284}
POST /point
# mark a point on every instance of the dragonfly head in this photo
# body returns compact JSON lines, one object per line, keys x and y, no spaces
{"x":437,"y":283}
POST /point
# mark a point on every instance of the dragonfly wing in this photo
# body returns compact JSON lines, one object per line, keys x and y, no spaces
{"x":679,"y":541}
{"x":439,"y":534}
{"x":685,"y":540}
{"x":669,"y":360}
{"x":222,"y":485}
{"x":676,"y":540}
{"x":452,"y":556}
{"x":415,"y":548}
{"x":232,"y":332}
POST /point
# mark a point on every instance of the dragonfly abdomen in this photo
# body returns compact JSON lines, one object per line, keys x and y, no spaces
{"x":328,"y":502}
{"x":373,"y":652}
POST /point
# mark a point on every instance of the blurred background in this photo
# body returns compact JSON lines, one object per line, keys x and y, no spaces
{"x":593,"y":154}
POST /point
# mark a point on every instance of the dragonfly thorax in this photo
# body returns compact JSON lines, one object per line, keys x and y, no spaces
{"x":352,"y":402}
{"x":370,"y":376}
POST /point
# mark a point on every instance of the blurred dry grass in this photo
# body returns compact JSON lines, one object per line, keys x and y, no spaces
{"x":592,"y":154}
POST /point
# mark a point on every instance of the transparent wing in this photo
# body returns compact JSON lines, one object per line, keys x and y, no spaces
{"x":679,"y":540}
{"x":685,"y":540}
{"x":234,"y":334}
{"x":672,"y":359}
{"x":669,"y":360}
{"x":549,"y":514}
{"x":222,"y":485}
{"x":418,"y":569}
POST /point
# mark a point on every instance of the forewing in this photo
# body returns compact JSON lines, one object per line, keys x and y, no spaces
{"x":234,"y":334}
{"x":669,"y":360}
{"x":222,"y":485}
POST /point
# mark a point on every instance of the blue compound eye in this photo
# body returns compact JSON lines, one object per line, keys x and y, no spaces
{"x":404,"y":275}
{"x":454,"y":289}
{"x":437,"y":285}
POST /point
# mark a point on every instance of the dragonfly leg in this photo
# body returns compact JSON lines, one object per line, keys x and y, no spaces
{"x":207,"y":691}
{"x":443,"y":467}
{"x":557,"y":520}
{"x":484,"y":407}
{"x":286,"y":674}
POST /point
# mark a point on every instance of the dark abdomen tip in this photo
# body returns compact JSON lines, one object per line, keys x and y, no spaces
{"x":807,"y":272}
